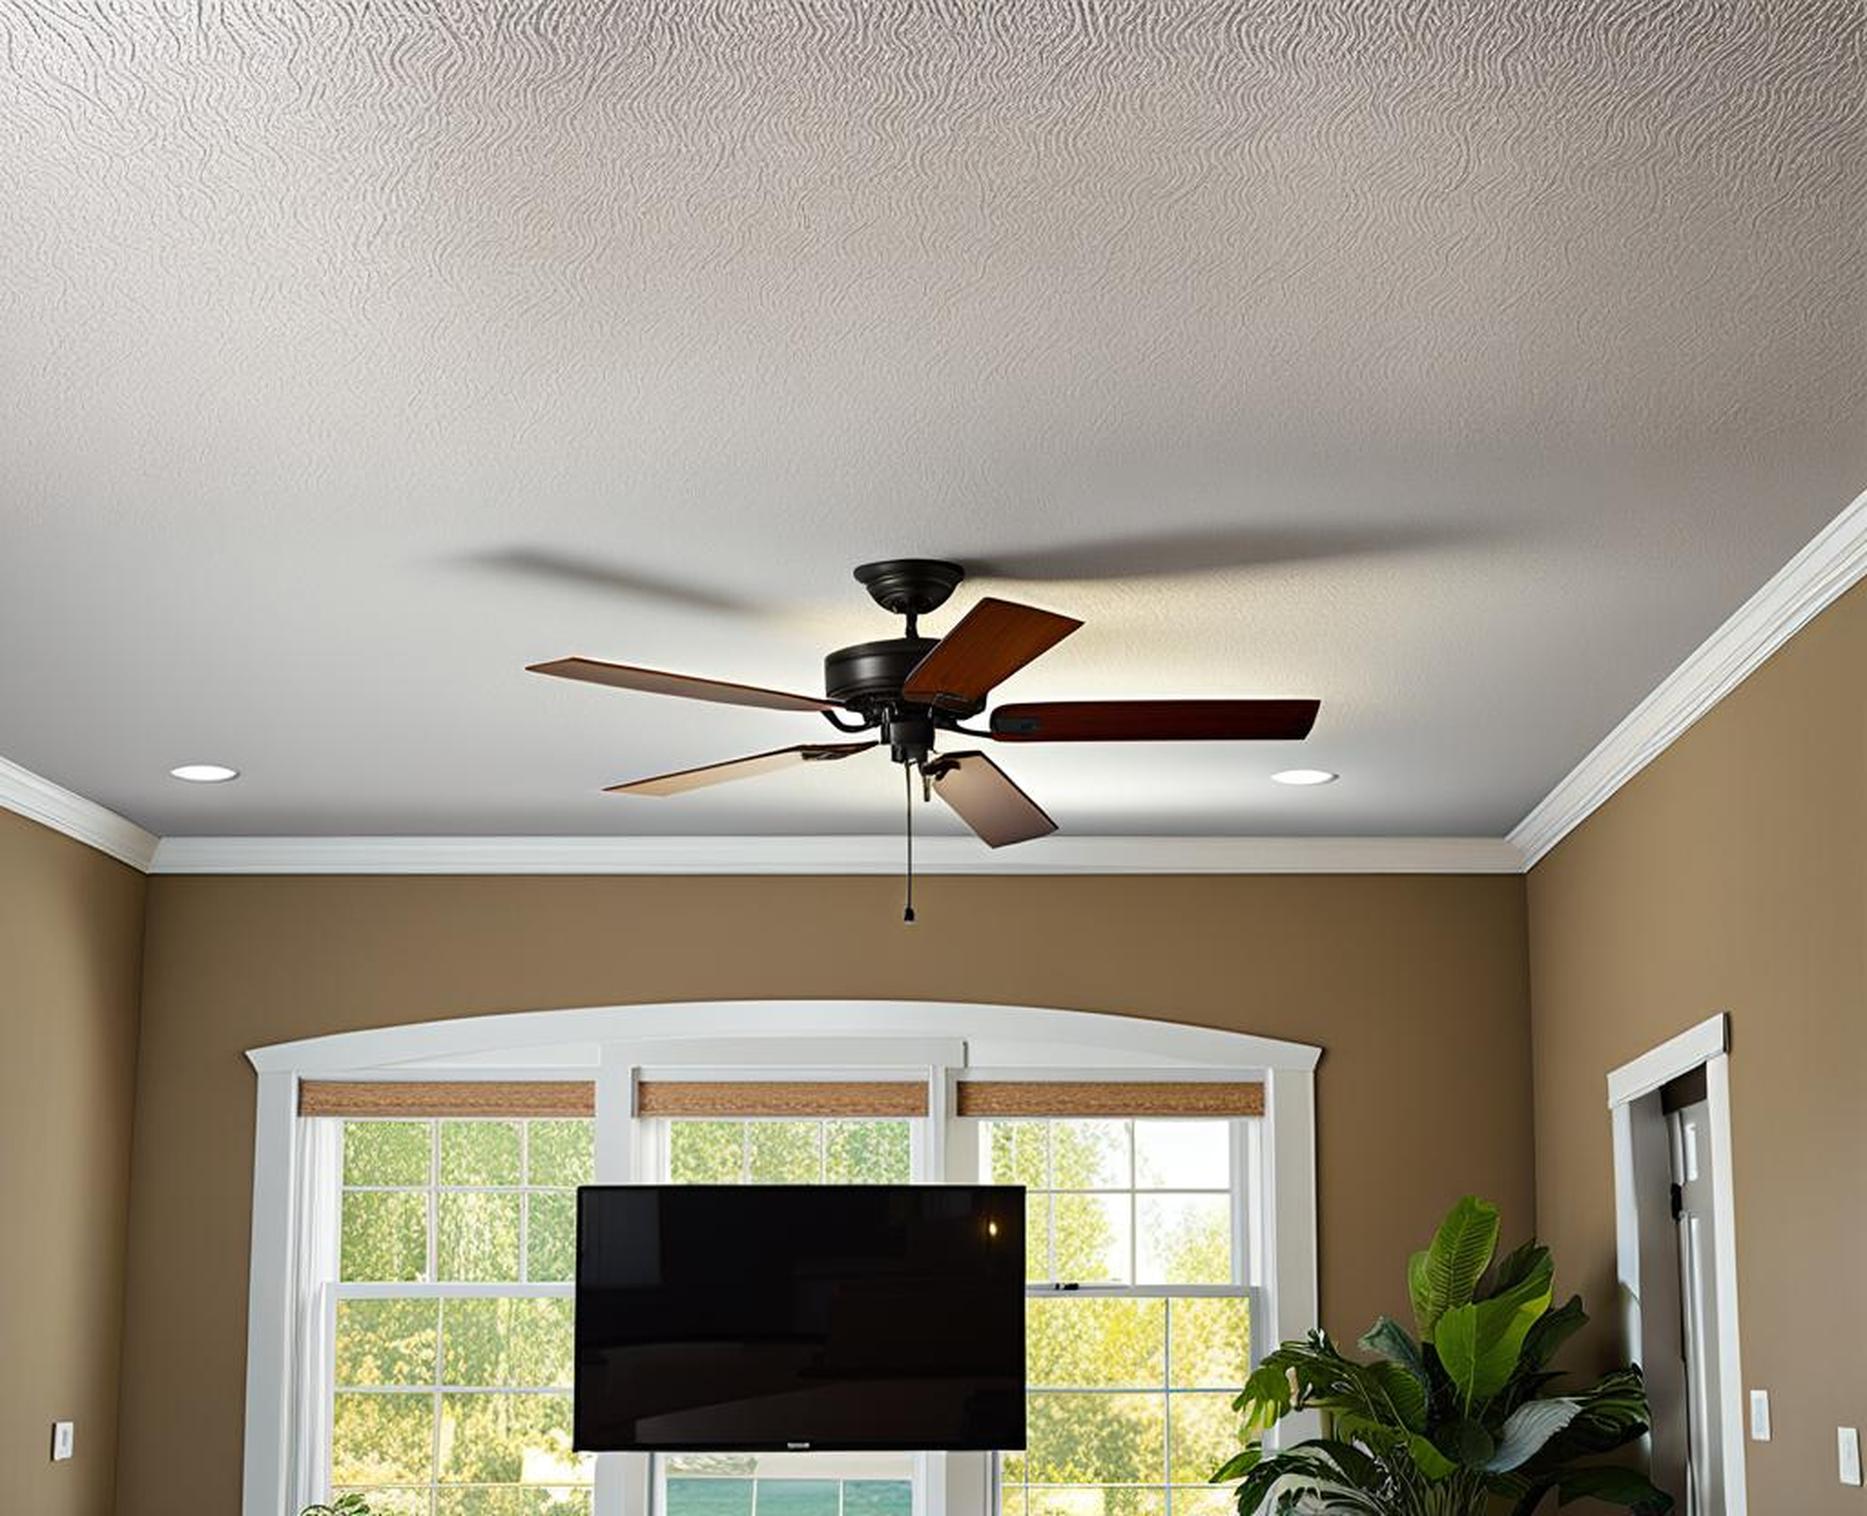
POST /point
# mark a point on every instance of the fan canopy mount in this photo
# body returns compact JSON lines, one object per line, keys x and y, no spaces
{"x":910,"y":587}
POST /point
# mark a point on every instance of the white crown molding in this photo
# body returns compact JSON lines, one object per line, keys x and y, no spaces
{"x":833,"y":855}
{"x":1833,"y":563}
{"x":38,"y":799}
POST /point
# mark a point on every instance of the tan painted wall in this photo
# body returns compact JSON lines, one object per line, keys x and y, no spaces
{"x":71,"y":926}
{"x":1732,"y":875}
{"x":1415,"y":986}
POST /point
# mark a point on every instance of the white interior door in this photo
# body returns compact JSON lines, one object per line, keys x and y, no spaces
{"x":1689,"y":1129}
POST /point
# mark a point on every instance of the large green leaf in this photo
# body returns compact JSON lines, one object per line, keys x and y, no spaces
{"x":1337,"y":1477}
{"x":1356,"y":1466}
{"x":1527,"y":1429}
{"x":1516,"y":1266}
{"x":1312,"y":1373}
{"x":1465,"y":1441}
{"x":1403,"y":1377}
{"x":1615,"y":1486}
{"x":1613,"y":1414}
{"x":1239,"y":1464}
{"x":1388,"y":1339}
{"x":1427,"y":1458}
{"x":1479,"y":1343}
{"x":1552,"y":1329}
{"x":1404,"y":1394}
{"x":1305,"y":1490}
{"x":1380,"y":1438}
{"x":1447,"y":1273}
{"x":1268,"y":1392}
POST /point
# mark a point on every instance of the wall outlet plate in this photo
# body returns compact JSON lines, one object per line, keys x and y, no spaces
{"x":1848,"y":1445}
{"x":1759,"y":1415}
{"x":64,"y":1434}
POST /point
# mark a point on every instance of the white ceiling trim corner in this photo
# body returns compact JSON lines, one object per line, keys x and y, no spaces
{"x":833,"y":855}
{"x":39,"y":799}
{"x":1832,"y":563}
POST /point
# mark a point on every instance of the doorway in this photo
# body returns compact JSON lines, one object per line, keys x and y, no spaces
{"x":1677,"y":1262}
{"x":1695,"y":1228}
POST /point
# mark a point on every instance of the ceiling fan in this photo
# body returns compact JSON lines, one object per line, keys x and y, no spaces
{"x":911,"y":689}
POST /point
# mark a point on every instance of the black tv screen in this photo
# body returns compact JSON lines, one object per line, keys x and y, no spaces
{"x":752,"y":1318}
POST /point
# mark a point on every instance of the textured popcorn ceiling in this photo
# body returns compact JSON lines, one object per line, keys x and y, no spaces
{"x":1462,"y":364}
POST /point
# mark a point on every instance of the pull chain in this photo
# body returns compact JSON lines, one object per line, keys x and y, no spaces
{"x":907,"y":773}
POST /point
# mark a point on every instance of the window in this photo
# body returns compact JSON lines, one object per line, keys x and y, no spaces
{"x":756,"y":1151}
{"x":450,"y":1317}
{"x":414,"y":1220}
{"x":833,"y":1150}
{"x":1138,"y":1311}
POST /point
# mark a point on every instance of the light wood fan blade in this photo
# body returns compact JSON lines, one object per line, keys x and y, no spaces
{"x":992,"y":642}
{"x":623,"y":676}
{"x":683,"y":780}
{"x":983,"y":796}
{"x":1156,"y":721}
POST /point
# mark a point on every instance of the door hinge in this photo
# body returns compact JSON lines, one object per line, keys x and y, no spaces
{"x":1678,"y":1200}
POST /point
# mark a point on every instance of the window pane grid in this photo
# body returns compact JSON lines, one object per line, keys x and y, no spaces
{"x":1139,"y":1312}
{"x":451,"y":1396}
{"x":1124,"y":1214}
{"x":453,"y":1389}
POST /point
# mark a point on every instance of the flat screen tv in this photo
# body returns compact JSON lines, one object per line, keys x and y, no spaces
{"x":753,"y":1318}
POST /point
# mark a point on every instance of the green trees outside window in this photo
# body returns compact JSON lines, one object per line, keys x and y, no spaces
{"x":452,"y":1327}
{"x":448,"y":1403}
{"x":1129,"y":1393}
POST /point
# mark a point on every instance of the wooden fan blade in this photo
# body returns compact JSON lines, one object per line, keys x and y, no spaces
{"x":623,"y":676}
{"x":683,"y":780}
{"x":1157,"y":721}
{"x":992,"y":642}
{"x":984,"y":797}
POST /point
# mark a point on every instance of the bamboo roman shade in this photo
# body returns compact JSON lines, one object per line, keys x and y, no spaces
{"x":801,"y":1098}
{"x":1112,"y":1098}
{"x":509,"y":1097}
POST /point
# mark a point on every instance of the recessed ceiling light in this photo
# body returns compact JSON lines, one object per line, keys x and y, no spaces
{"x":1305,"y":776}
{"x":205,"y":773}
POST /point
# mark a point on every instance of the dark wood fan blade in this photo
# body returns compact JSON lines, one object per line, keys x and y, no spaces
{"x":680,"y":782}
{"x":984,"y":797}
{"x":1156,"y":721}
{"x":623,"y":676}
{"x":992,"y":642}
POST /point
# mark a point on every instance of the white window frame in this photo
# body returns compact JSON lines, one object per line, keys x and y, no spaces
{"x":617,"y":1046}
{"x":319,"y":1229}
{"x":1248,"y":1190}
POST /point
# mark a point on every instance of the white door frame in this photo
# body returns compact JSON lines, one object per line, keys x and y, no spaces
{"x":1633,"y":1095}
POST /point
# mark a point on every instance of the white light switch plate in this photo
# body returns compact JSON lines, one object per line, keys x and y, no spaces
{"x":1759,"y":1415}
{"x":63,"y":1435}
{"x":1848,"y":1442}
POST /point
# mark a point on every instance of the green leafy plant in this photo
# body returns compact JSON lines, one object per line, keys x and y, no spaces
{"x":1461,"y":1420}
{"x":343,"y":1505}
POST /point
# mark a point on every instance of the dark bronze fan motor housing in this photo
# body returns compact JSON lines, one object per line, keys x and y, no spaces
{"x":873,"y":671}
{"x":868,"y":676}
